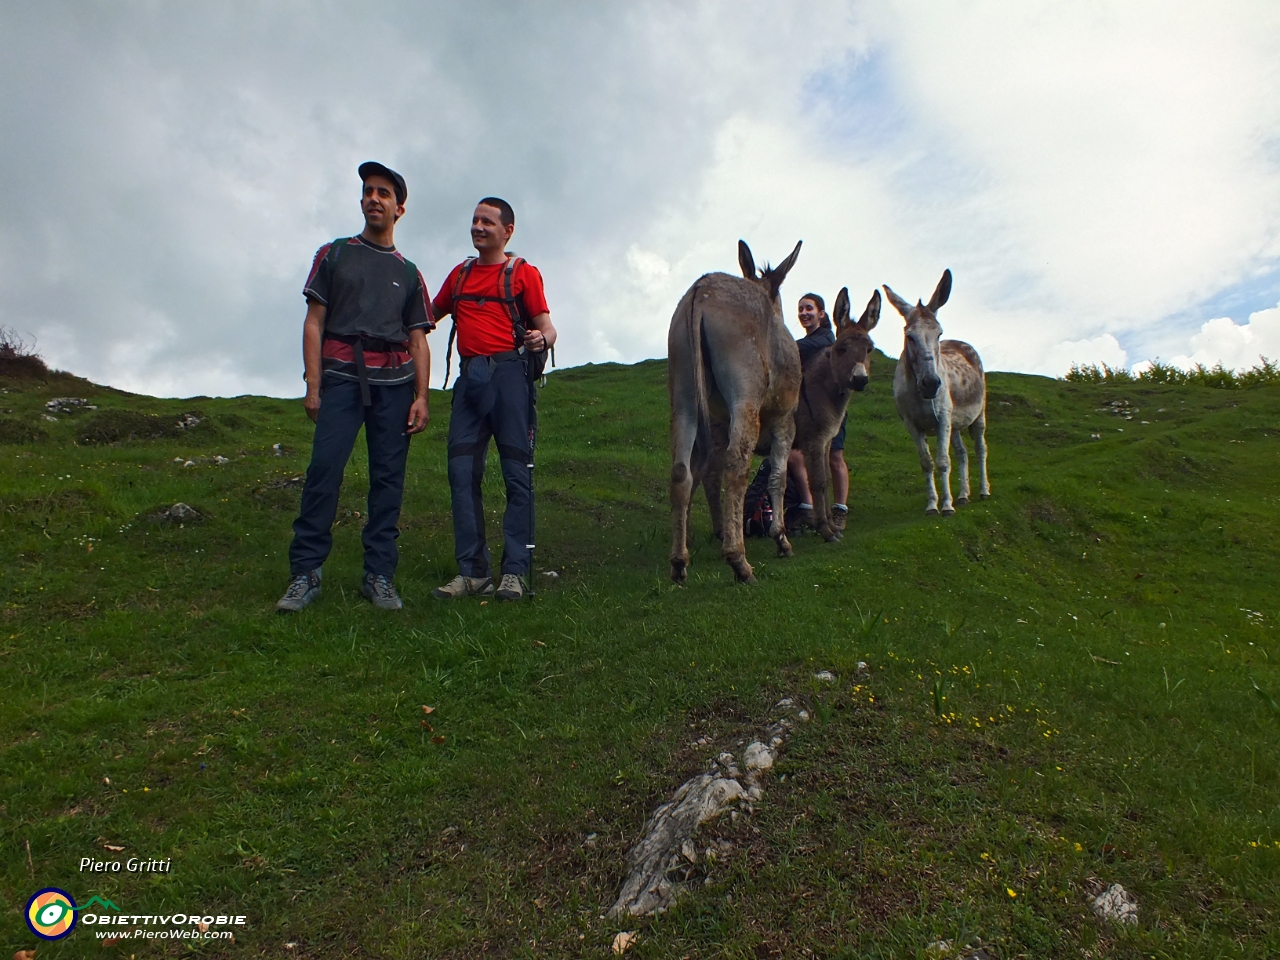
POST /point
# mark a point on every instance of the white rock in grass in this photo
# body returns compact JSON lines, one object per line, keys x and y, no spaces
{"x":1116,"y":903}
{"x":648,"y":889}
{"x":757,"y":756}
{"x":826,"y":676}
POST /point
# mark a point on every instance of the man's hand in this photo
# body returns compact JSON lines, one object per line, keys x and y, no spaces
{"x":311,"y":403}
{"x":540,"y":334}
{"x":535,"y":341}
{"x":419,"y":416}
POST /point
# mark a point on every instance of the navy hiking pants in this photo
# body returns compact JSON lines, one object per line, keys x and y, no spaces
{"x":491,"y":399}
{"x":341,"y":415}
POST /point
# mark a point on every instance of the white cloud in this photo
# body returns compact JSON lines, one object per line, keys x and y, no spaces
{"x":1088,"y":172}
{"x":1237,"y":346}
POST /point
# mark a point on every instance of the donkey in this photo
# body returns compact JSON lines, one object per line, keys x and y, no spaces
{"x":733,"y":374}
{"x":939,"y":386}
{"x":829,"y":376}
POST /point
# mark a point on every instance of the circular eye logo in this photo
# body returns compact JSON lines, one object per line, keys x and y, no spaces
{"x":51,"y":913}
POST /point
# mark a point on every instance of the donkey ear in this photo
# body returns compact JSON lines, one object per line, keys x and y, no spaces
{"x":779,"y":273}
{"x":746,"y":261}
{"x":871,"y":315}
{"x":899,"y":304}
{"x":840,"y":312}
{"x":941,"y":294}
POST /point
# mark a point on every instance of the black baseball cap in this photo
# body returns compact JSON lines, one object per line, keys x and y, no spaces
{"x":372,"y":168}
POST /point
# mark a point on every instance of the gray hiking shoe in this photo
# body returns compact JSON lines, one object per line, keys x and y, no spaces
{"x":382,"y":592}
{"x":461,"y":586}
{"x":303,"y":588}
{"x":511,"y":588}
{"x":839,"y":517}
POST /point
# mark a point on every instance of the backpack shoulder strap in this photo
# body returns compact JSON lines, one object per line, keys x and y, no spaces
{"x":463,"y":273}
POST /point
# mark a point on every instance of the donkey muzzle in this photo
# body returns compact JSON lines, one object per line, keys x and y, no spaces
{"x":929,"y":386}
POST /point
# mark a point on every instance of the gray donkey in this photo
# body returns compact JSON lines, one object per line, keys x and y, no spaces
{"x":940,"y":386}
{"x":733,"y":374}
{"x":829,"y":376}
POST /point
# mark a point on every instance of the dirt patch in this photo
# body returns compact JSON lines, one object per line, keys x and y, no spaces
{"x":17,"y":431}
{"x":233,"y":421}
{"x":122,"y":426}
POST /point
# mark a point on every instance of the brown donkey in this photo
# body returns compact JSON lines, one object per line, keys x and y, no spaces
{"x":829,"y":378}
{"x":939,"y":387}
{"x":733,"y":373}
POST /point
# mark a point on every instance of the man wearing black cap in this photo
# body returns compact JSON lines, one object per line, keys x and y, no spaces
{"x":364,"y":348}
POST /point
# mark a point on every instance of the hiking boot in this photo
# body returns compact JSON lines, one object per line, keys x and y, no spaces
{"x":511,"y":588}
{"x":839,"y":517}
{"x":461,"y":586}
{"x":303,"y":588}
{"x":379,"y":589}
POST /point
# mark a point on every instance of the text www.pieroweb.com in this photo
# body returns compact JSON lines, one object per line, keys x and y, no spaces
{"x":141,"y":934}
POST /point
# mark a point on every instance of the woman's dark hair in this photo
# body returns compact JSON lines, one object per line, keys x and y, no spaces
{"x":822,"y":309}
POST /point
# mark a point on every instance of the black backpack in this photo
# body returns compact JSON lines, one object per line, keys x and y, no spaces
{"x":757,"y":507}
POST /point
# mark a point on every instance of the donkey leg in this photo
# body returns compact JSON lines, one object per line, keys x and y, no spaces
{"x":683,"y":431}
{"x":713,"y":478}
{"x":817,"y":463}
{"x":784,"y":434}
{"x":744,"y":429}
{"x":944,"y":465}
{"x":978,"y":432}
{"x":926,"y":465}
{"x":962,"y":464}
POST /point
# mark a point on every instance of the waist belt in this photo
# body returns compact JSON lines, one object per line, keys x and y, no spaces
{"x":498,"y":357}
{"x":358,"y":345}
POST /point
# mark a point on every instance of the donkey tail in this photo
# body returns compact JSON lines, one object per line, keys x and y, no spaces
{"x":699,"y":374}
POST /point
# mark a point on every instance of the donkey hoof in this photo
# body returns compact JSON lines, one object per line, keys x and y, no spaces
{"x":784,"y":548}
{"x":931,"y":512}
{"x":962,"y":501}
{"x":679,"y":571}
{"x":948,"y":512}
{"x":983,"y":496}
{"x":742,"y":572}
{"x":749,"y":579}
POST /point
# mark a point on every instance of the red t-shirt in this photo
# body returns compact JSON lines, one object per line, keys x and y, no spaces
{"x":485,"y":328}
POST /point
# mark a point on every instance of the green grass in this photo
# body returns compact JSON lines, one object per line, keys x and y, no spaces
{"x":1075,"y":679}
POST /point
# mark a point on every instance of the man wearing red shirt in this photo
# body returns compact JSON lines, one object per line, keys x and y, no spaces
{"x":504,"y":328}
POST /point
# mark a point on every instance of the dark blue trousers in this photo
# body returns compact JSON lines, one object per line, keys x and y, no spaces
{"x":491,"y":399}
{"x":340,"y":419}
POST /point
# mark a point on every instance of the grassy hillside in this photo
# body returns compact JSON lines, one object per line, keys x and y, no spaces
{"x":1072,"y":681}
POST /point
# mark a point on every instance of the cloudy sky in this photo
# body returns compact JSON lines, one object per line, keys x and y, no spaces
{"x":1102,"y":178}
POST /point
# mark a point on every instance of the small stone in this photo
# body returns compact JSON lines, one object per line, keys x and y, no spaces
{"x":550,"y":573}
{"x":183,"y":512}
{"x":276,"y":451}
{"x":825,"y":676}
{"x":1116,"y":903}
{"x":862,"y":665}
{"x":591,"y":840}
{"x":757,"y":756}
{"x":625,"y":941}
{"x":688,"y":852}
